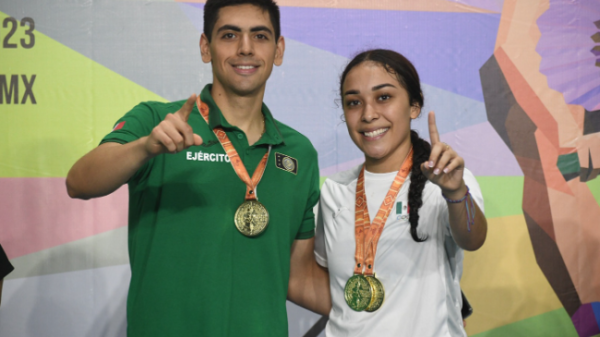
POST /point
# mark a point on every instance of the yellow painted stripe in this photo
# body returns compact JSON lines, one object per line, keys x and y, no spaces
{"x":556,"y":323}
{"x":78,"y":101}
{"x":502,"y":279}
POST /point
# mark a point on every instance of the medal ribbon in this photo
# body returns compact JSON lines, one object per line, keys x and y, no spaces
{"x":234,"y":157}
{"x":367,"y":234}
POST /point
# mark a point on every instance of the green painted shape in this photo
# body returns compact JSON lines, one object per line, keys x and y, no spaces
{"x":78,"y":102}
{"x":568,"y":163}
{"x":322,"y":181}
{"x":594,"y":186}
{"x":556,"y":323}
{"x":502,"y":195}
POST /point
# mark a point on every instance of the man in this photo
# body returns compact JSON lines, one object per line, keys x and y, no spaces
{"x":206,"y":258}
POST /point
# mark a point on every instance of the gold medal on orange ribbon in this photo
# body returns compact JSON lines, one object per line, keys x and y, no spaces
{"x":378,"y":294}
{"x":358,"y":292}
{"x":364,"y":291}
{"x":251,"y":217}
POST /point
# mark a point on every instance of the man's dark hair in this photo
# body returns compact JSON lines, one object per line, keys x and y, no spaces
{"x":212,"y":7}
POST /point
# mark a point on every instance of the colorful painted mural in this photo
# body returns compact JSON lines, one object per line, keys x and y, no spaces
{"x":516,"y":89}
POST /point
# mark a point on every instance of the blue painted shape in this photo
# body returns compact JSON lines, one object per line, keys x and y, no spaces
{"x":596,"y":309}
{"x":590,"y":96}
{"x":447,"y":48}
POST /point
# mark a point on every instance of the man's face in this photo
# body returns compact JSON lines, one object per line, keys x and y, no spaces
{"x":242,"y":50}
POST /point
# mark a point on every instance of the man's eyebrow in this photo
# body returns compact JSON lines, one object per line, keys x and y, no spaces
{"x":238,"y":29}
{"x":377,"y":87}
{"x":229,"y":27}
{"x":261,"y":29}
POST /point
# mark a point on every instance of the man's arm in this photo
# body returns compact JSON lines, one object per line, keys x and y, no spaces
{"x":105,"y":169}
{"x":309,"y":282}
{"x":110,"y":165}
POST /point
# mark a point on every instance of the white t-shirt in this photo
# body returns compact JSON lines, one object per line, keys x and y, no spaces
{"x":421,"y":280}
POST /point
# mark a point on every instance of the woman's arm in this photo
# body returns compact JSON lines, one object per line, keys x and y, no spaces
{"x":445,"y":168}
{"x":469,"y":237}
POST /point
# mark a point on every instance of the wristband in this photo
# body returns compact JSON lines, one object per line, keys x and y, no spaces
{"x":469,"y":205}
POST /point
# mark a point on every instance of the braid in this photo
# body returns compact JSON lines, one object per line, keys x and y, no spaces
{"x":421,"y":152}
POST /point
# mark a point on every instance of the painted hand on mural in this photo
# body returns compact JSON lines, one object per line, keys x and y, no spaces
{"x":445,"y":167}
{"x":173,"y":134}
{"x":553,"y":131}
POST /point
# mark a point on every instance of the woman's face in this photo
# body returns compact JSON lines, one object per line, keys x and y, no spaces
{"x":378,"y":115}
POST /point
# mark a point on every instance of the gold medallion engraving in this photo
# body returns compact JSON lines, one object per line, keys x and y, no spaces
{"x":358,"y":292}
{"x":378,"y":294}
{"x":251,"y":218}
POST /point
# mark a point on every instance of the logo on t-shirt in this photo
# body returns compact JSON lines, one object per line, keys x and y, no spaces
{"x":286,"y":163}
{"x":402,"y":211}
{"x":204,"y":156}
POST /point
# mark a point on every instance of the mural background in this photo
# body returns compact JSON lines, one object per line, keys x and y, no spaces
{"x":70,"y":68}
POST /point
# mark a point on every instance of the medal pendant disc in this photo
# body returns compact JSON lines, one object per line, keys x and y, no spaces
{"x":378,"y":294}
{"x":358,"y":293}
{"x":251,"y":218}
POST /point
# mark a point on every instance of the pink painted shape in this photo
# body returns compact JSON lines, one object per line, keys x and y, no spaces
{"x":549,"y":158}
{"x":37,"y":214}
{"x":484,"y":152}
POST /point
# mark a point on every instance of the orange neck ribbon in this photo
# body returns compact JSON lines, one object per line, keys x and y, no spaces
{"x":367,"y":234}
{"x":234,"y":157}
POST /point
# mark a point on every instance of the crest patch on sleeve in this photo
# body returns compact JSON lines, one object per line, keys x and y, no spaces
{"x":119,"y":126}
{"x":286,"y":163}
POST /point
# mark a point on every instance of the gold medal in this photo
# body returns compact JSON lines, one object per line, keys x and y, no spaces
{"x":358,"y":292}
{"x":378,"y":294}
{"x":251,"y":218}
{"x":367,"y":236}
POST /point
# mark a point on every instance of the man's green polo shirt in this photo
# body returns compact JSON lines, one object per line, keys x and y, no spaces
{"x":193,"y":273}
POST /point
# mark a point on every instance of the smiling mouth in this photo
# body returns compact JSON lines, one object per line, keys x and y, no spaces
{"x":245,"y":67}
{"x":375,"y":133}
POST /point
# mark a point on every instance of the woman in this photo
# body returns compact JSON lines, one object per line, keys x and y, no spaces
{"x":395,"y":275}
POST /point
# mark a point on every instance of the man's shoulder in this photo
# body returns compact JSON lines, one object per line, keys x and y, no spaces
{"x":159,"y":108}
{"x":294,"y":139}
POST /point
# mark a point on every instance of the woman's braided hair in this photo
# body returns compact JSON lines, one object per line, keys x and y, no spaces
{"x":406,"y":74}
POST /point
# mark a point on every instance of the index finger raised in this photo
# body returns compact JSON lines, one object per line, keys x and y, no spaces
{"x":186,"y":109}
{"x":434,"y":135}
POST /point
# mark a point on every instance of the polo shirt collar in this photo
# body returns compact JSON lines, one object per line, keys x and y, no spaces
{"x":272,"y":134}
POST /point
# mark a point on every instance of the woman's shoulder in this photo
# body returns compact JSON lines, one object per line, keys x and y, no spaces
{"x":339,"y":188}
{"x":344,"y":178}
